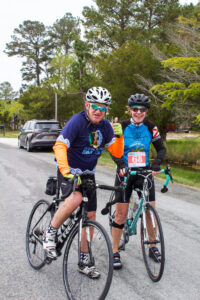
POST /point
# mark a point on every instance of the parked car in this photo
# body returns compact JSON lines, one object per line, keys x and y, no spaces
{"x":183,"y":129}
{"x":38,"y":134}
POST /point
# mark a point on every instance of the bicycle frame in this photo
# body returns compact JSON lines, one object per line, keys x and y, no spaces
{"x":152,"y":238}
{"x":79,"y":217}
{"x":74,"y":219}
{"x":85,"y":240}
{"x":143,"y":195}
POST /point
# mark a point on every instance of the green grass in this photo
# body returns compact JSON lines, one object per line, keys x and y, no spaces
{"x":193,"y":140}
{"x":184,"y":176}
{"x":106,"y":160}
{"x":180,"y":175}
{"x":181,"y":151}
{"x":185,"y":150}
{"x":9,"y":134}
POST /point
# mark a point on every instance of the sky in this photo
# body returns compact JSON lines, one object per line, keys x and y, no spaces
{"x":15,"y":12}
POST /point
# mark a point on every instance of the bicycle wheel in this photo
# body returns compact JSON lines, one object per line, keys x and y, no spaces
{"x":38,"y":222}
{"x":125,"y":235}
{"x":78,"y":285}
{"x":152,"y":235}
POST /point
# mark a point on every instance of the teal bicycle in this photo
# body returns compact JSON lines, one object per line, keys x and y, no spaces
{"x":150,"y":227}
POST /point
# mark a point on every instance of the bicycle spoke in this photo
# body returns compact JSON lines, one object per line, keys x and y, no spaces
{"x":152,"y":236}
{"x":79,"y":285}
{"x":35,"y":230}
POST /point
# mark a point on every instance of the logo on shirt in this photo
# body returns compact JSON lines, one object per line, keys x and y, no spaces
{"x":137,"y":147}
{"x":155,"y":132}
{"x":95,"y":138}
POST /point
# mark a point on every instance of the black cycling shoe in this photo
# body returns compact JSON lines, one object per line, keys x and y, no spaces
{"x":116,"y":261}
{"x":155,"y":254}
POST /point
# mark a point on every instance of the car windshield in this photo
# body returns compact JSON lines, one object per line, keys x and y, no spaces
{"x":52,"y":126}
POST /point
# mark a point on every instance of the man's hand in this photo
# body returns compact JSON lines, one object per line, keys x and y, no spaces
{"x":117,"y":127}
{"x":71,"y":176}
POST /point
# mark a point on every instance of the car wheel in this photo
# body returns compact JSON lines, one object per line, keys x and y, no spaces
{"x":19,"y":144}
{"x":28,"y":146}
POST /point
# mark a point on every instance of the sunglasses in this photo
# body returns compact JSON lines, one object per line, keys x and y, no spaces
{"x":96,"y":107}
{"x":136,"y":109}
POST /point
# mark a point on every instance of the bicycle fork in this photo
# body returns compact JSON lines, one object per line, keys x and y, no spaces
{"x":150,"y":234}
{"x":85,"y":237}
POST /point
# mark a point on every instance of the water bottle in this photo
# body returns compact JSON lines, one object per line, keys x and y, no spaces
{"x":130,"y":211}
{"x":135,"y":206}
{"x":63,"y":227}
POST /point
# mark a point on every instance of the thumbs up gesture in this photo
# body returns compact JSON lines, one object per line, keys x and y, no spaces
{"x":117,"y":127}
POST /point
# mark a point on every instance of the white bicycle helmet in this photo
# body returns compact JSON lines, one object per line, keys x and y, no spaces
{"x":99,"y":95}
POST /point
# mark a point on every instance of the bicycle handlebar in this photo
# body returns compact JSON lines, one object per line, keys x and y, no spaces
{"x":166,"y":171}
{"x":89,"y":184}
{"x":109,"y":188}
{"x":164,"y":189}
{"x":168,"y":174}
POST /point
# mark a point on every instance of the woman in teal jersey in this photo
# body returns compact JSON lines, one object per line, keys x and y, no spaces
{"x":138,"y":134}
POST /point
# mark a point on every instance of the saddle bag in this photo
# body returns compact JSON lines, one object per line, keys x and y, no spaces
{"x":51,"y":185}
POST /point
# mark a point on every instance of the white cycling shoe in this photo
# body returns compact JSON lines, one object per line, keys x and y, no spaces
{"x":49,"y":245}
{"x":85,"y":268}
{"x":89,"y":271}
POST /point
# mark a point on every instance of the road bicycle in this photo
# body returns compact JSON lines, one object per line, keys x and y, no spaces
{"x":78,"y":286}
{"x":150,"y":227}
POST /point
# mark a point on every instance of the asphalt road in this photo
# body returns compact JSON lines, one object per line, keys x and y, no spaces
{"x":23,"y":177}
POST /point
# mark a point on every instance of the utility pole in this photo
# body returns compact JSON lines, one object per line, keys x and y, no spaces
{"x":56,"y":107}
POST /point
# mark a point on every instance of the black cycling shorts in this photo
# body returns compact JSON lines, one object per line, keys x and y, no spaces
{"x":66,"y":188}
{"x":133,"y":182}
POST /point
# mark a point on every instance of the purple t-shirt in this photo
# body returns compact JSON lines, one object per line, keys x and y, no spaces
{"x":85,"y":142}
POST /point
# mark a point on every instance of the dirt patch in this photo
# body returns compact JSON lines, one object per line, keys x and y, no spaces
{"x":181,"y":135}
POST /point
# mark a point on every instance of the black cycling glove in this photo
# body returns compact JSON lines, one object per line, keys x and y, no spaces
{"x":156,"y":165}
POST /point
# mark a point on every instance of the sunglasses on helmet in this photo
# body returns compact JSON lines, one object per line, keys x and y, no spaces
{"x":96,"y":107}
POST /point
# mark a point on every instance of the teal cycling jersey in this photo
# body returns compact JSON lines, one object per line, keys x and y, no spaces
{"x":137,"y":143}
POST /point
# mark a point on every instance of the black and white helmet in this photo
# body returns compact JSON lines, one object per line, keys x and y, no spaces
{"x":139,"y":99}
{"x":99,"y":95}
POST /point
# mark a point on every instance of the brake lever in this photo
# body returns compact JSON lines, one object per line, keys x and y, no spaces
{"x":170,"y":175}
{"x":75,"y":180}
{"x":168,"y":172}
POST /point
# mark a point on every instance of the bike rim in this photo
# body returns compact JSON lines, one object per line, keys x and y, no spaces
{"x":79,"y":285}
{"x":155,"y":238}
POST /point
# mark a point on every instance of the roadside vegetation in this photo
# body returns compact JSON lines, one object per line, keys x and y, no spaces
{"x":181,"y":175}
{"x":183,"y":151}
{"x":9,"y":134}
{"x":181,"y":155}
{"x":185,"y":176}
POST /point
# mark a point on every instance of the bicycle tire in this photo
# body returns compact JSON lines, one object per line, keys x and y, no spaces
{"x":154,"y":269}
{"x":34,"y":250}
{"x":77,"y":285}
{"x":125,"y":235}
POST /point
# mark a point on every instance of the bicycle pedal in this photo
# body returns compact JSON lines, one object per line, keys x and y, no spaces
{"x":122,"y":248}
{"x":59,"y":253}
{"x":48,"y":260}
